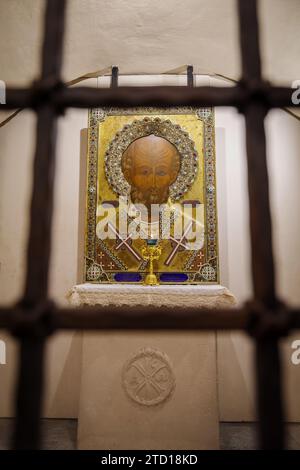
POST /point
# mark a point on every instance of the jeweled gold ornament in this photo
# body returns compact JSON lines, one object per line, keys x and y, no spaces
{"x":151,"y":252}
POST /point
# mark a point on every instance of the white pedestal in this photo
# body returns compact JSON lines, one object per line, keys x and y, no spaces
{"x":149,"y":390}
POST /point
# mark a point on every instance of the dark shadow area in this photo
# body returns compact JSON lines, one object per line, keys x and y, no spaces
{"x":60,"y":434}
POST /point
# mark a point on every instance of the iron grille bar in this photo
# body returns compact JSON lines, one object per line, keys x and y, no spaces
{"x":136,"y":318}
{"x":260,"y":218}
{"x":30,"y":380}
{"x":50,"y":318}
{"x":114,"y":77}
{"x":86,"y":97}
{"x":190,"y":76}
{"x":249,"y":40}
{"x":269,"y":401}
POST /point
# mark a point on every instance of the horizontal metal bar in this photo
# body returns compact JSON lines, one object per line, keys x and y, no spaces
{"x":18,"y":98}
{"x":84,"y":97}
{"x":30,"y":378}
{"x":133,"y":319}
{"x":137,"y":318}
{"x":150,"y":318}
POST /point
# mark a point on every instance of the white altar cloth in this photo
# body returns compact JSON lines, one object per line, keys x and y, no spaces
{"x":206,"y":296}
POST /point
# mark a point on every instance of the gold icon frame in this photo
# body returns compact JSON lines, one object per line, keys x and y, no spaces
{"x":104,"y":124}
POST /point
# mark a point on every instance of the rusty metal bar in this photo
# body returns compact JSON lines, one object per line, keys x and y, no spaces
{"x":38,"y":252}
{"x":118,"y":318}
{"x":260,"y":218}
{"x":87,"y":97}
{"x":29,"y":394}
{"x":269,"y":399}
{"x":114,"y":77}
{"x":69,"y":319}
{"x":30,"y":380}
{"x":190,"y":76}
{"x":153,"y":318}
{"x":141,"y":318}
{"x":249,"y":40}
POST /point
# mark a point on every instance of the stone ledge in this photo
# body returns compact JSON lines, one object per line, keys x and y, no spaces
{"x":189,"y":296}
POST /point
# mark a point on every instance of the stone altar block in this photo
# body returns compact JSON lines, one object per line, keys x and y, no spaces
{"x":149,"y":390}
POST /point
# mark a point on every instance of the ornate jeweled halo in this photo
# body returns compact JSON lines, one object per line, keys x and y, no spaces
{"x":161,"y":128}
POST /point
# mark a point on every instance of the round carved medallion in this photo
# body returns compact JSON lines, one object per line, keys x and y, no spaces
{"x":148,"y":377}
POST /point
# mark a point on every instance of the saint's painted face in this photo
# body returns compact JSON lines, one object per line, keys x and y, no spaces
{"x":150,"y":165}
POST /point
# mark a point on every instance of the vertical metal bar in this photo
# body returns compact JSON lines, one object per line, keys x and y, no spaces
{"x":30,"y":379}
{"x":249,"y":39}
{"x":114,"y":77}
{"x":28,"y":400}
{"x":38,"y":251}
{"x":269,"y":400}
{"x":190,"y":76}
{"x":269,"y":395}
{"x":260,"y":217}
